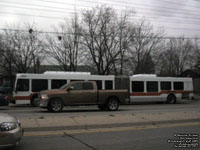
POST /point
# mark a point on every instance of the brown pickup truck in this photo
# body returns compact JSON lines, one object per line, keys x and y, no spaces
{"x":82,"y":93}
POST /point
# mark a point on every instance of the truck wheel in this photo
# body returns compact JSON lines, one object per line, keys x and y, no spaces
{"x":55,"y":105}
{"x":171,"y":99}
{"x":102,"y":107}
{"x":112,"y":104}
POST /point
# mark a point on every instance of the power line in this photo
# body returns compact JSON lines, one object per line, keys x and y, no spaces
{"x":48,"y":17}
{"x":63,"y":33}
{"x":91,"y":7}
{"x":165,"y":20}
{"x":72,"y":12}
{"x":18,"y":14}
{"x":34,"y":9}
{"x":177,"y":3}
{"x":33,"y":5}
{"x":171,"y":28}
{"x":167,"y":15}
{"x":170,"y":21}
{"x":133,"y":4}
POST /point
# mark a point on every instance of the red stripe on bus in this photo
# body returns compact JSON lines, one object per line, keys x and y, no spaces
{"x":24,"y":97}
{"x":158,"y":93}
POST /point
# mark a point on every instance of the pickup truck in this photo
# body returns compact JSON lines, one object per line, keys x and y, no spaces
{"x":82,"y":93}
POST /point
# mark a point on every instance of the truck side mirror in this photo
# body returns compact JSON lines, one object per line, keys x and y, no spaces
{"x":70,"y":88}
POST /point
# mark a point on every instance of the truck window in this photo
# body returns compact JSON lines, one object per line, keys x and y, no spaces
{"x":165,"y":85}
{"x":77,"y":86}
{"x":39,"y":85}
{"x":152,"y":86}
{"x":137,"y":86}
{"x":87,"y":86}
{"x":178,"y":86}
{"x":108,"y":85}
{"x":22,"y":85}
{"x":56,"y":84}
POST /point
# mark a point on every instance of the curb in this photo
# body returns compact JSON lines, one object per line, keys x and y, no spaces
{"x":78,"y":127}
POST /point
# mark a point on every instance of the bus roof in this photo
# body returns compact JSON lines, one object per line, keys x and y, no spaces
{"x":151,"y":77}
{"x":64,"y":76}
{"x":67,"y":72}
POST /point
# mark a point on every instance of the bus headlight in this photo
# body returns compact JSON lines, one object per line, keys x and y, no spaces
{"x":43,"y":97}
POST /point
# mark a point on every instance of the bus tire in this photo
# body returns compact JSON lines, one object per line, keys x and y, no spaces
{"x":171,"y":99}
{"x":34,"y":101}
{"x":112,"y":104}
{"x":55,"y":105}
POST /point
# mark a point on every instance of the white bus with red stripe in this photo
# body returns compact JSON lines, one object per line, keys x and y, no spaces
{"x":160,"y":89}
{"x":27,"y":86}
{"x":142,"y":88}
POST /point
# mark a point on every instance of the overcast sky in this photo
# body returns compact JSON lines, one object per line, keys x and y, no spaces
{"x":177,"y":17}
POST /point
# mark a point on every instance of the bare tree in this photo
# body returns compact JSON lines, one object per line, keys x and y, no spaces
{"x":100,"y":35}
{"x":197,"y":55}
{"x":65,"y":47}
{"x":125,"y":32}
{"x":176,"y":57}
{"x":145,"y":43}
{"x":21,"y":49}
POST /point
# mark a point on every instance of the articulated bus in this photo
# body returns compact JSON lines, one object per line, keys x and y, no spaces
{"x":142,"y":88}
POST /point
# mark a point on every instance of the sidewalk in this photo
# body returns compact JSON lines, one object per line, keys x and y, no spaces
{"x":34,"y":123}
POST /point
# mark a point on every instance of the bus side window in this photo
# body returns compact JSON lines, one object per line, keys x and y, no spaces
{"x":39,"y":85}
{"x":108,"y":85}
{"x":99,"y":84}
{"x":137,"y":86}
{"x":178,"y":86}
{"x":22,"y":85}
{"x":56,"y":84}
{"x":152,"y":86}
{"x":165,"y":85}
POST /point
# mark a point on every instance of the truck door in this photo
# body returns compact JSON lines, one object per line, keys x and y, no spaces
{"x":81,"y":93}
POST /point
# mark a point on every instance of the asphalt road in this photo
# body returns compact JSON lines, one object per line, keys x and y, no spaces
{"x":140,"y":139}
{"x":132,"y":136}
{"x":26,"y":111}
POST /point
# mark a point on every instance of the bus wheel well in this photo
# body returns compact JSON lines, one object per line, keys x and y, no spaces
{"x":33,"y":100}
{"x":171,"y":98}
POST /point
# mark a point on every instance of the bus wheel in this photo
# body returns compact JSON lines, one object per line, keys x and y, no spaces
{"x":171,"y":99}
{"x":35,"y":102}
{"x":55,"y":105}
{"x":112,"y":104}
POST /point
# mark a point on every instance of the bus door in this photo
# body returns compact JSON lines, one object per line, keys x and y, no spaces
{"x":22,"y":91}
